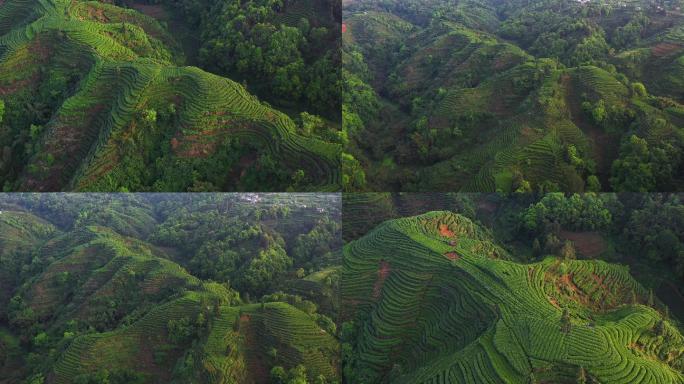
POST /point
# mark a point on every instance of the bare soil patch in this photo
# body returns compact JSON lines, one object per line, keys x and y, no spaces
{"x":155,"y":11}
{"x":665,"y":49}
{"x":588,"y":244}
{"x":452,"y":256}
{"x":445,"y":231}
{"x":257,"y":369}
{"x":383,"y":272}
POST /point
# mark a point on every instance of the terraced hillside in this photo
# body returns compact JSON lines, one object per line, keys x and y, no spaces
{"x":94,"y":101}
{"x":85,"y":302}
{"x":486,"y":96}
{"x":434,"y":299}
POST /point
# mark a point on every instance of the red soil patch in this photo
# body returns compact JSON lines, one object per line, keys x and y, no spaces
{"x":599,"y":280}
{"x":567,"y":280}
{"x":383,"y":273}
{"x":39,"y":53}
{"x":204,"y":144}
{"x":19,"y":84}
{"x":145,"y":359}
{"x":503,"y":62}
{"x":452,"y":256}
{"x":553,"y":301}
{"x":565,"y":286}
{"x":527,"y":132}
{"x":97,"y":14}
{"x":255,"y":364}
{"x":155,"y":11}
{"x":664,"y":49}
{"x":195,"y":146}
{"x":445,"y":231}
{"x":588,"y":244}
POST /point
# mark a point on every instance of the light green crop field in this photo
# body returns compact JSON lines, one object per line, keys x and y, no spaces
{"x":435,"y":300}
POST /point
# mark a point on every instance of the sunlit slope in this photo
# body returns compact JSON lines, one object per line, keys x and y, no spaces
{"x":435,"y":301}
{"x":104,"y":69}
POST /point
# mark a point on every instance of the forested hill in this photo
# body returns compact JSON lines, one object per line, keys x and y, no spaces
{"x":99,"y":289}
{"x":483,"y":95}
{"x":95,"y":97}
{"x":434,"y":298}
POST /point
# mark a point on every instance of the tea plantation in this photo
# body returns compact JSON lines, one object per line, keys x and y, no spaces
{"x":94,"y":290}
{"x":487,"y":96}
{"x":96,"y":100}
{"x":434,"y":299}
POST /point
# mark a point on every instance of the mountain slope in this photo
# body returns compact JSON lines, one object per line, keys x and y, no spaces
{"x":109,"y":110}
{"x":486,"y":96}
{"x":107,"y":296}
{"x":434,"y":300}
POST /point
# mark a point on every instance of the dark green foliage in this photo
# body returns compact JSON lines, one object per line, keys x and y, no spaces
{"x":659,"y":327}
{"x":656,"y":228}
{"x":293,"y":63}
{"x":580,"y":212}
{"x":565,"y":323}
{"x":115,"y":376}
{"x":153,"y":283}
{"x":181,"y":331}
{"x":644,"y":167}
{"x":296,"y":375}
{"x":512,"y":96}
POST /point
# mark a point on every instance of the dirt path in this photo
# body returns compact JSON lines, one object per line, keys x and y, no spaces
{"x":255,"y":364}
{"x":604,"y":147}
{"x":383,"y":272}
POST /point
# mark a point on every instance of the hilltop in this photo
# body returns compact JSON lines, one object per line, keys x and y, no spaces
{"x":97,"y":97}
{"x":435,"y":299}
{"x":486,"y":96}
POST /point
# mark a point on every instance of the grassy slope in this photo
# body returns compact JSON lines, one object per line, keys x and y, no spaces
{"x":443,"y":304}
